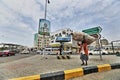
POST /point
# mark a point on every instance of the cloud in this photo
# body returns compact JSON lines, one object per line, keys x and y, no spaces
{"x":15,"y":23}
{"x":20,"y":18}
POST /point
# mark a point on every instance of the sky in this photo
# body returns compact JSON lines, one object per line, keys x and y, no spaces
{"x":19,"y":19}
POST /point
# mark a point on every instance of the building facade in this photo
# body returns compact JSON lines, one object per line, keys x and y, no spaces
{"x":41,"y":41}
{"x":42,"y":38}
{"x":62,"y":33}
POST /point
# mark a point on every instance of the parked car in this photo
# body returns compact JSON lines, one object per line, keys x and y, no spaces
{"x":39,"y":52}
{"x":6,"y":53}
{"x":1,"y":53}
{"x":49,"y":51}
{"x":25,"y":52}
{"x":68,"y":52}
{"x":97,"y":51}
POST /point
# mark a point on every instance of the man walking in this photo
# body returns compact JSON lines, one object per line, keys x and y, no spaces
{"x":83,"y":50}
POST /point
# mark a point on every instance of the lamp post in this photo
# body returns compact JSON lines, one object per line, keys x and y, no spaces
{"x":47,"y":1}
{"x":45,"y":25}
{"x":99,"y":43}
{"x":44,"y":42}
{"x":44,"y":28}
{"x":112,"y":47}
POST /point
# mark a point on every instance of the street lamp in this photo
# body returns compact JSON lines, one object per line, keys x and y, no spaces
{"x":47,"y":1}
{"x":45,"y":27}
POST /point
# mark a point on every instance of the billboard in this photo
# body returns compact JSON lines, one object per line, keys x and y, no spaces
{"x":63,"y":39}
{"x":44,"y":27}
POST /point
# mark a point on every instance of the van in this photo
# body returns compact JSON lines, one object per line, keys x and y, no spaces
{"x":97,"y":51}
{"x":51,"y":51}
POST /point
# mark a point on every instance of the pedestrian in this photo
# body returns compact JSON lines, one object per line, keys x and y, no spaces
{"x":83,"y":50}
{"x":61,"y":48}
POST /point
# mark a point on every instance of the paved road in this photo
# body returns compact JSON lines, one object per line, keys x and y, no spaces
{"x":6,"y":59}
{"x":108,"y":75}
{"x":37,"y":64}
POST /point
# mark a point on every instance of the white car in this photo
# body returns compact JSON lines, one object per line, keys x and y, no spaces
{"x":68,"y":52}
{"x":39,"y":52}
{"x":25,"y":52}
{"x":96,"y":51}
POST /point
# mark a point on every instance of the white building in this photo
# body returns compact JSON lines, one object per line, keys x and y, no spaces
{"x":61,"y":33}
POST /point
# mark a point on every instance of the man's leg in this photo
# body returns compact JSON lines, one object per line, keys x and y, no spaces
{"x":86,"y":63}
{"x":82,"y":62}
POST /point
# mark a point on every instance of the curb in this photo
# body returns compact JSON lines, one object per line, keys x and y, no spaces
{"x":63,"y":57}
{"x":73,"y":73}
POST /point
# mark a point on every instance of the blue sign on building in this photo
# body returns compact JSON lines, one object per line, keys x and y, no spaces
{"x":63,"y":39}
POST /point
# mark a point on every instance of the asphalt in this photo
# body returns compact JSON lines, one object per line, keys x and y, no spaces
{"x":108,"y":75}
{"x":38,"y":64}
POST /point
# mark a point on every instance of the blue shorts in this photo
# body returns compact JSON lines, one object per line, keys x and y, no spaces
{"x":83,"y":57}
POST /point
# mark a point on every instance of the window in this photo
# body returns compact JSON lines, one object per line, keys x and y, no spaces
{"x":67,"y":34}
{"x":67,"y":29}
{"x":56,"y":35}
{"x":63,"y":32}
{"x":60,"y":34}
{"x":52,"y":41}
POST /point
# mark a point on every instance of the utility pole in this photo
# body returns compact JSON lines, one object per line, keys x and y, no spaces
{"x":112,"y":47}
{"x":44,"y":28}
{"x":46,"y":2}
{"x":100,"y":45}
